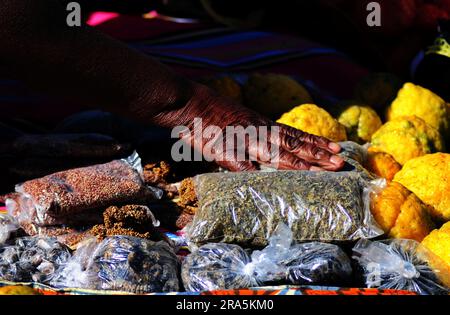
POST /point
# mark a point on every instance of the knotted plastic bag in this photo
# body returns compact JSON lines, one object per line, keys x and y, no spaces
{"x":402,"y":264}
{"x":217,"y":266}
{"x":121,"y":263}
{"x":32,"y":259}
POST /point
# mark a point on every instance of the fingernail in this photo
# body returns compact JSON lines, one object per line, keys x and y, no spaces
{"x":334,"y":146}
{"x":315,"y":169}
{"x":335,"y":159}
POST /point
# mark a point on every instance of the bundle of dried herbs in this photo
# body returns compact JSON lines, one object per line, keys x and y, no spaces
{"x":188,"y":198}
{"x":131,"y":220}
{"x":245,"y":208}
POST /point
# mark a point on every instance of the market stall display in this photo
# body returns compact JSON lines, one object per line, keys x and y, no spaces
{"x":122,"y":219}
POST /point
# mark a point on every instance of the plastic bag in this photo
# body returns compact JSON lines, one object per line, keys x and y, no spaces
{"x":32,"y":259}
{"x":8,"y":225}
{"x":121,"y":263}
{"x":354,"y":151}
{"x":245,"y":208}
{"x":226,"y":266}
{"x":402,"y":265}
{"x":355,"y":156}
{"x":55,"y":198}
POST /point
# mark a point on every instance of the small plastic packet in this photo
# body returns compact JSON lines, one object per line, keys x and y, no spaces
{"x":8,"y":225}
{"x":402,"y":264}
{"x":245,"y":208}
{"x":32,"y":259}
{"x":55,"y":198}
{"x":227,"y":266}
{"x":121,"y":263}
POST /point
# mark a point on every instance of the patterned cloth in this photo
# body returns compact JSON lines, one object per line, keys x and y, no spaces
{"x":278,"y":290}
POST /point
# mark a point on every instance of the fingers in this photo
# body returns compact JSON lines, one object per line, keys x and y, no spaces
{"x":313,"y":154}
{"x":306,"y":137}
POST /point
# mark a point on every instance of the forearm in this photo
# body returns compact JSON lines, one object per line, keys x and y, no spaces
{"x":38,"y":46}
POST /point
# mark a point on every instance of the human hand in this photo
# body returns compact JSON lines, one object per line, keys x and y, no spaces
{"x":209,"y":120}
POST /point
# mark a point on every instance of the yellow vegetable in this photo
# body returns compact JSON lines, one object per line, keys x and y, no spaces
{"x":274,"y":94}
{"x":361,"y":122}
{"x":429,"y":178}
{"x":224,"y":86}
{"x":314,"y":120}
{"x":382,"y":164}
{"x":438,"y":242}
{"x":418,"y":101}
{"x":406,"y":138}
{"x":378,"y":90}
{"x":400,"y":213}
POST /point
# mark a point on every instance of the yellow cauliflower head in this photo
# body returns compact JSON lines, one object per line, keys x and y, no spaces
{"x":224,"y":86}
{"x":381,"y":164}
{"x":429,"y":178}
{"x":406,"y":138}
{"x":314,"y":120}
{"x":361,"y":122}
{"x":274,"y":94}
{"x":438,"y":242}
{"x":400,"y":213}
{"x":415,"y":100}
{"x":377,"y":89}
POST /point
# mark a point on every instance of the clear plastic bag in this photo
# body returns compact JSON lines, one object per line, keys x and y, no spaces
{"x":245,"y":208}
{"x":32,"y":259}
{"x":402,"y":265}
{"x":56,"y":198}
{"x":121,"y":263}
{"x":8,"y":225}
{"x":226,"y":266}
{"x":355,"y":156}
